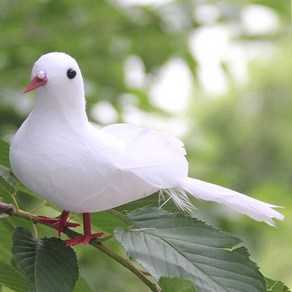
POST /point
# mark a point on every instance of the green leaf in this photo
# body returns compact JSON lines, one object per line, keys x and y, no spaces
{"x":13,"y":278}
{"x":176,"y":284}
{"x":106,"y":221}
{"x":175,"y":245}
{"x":134,"y":205}
{"x":276,"y":286}
{"x":5,"y":241}
{"x":6,"y":190}
{"x":4,"y":154}
{"x":49,"y":264}
{"x":22,"y":189}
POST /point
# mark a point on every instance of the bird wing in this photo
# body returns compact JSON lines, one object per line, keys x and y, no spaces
{"x":154,"y":156}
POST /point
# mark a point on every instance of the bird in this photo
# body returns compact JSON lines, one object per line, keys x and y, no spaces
{"x":61,"y":156}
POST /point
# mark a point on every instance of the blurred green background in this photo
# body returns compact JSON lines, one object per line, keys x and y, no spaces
{"x":214,"y":73}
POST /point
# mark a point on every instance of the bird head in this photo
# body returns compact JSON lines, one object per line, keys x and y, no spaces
{"x":56,"y":72}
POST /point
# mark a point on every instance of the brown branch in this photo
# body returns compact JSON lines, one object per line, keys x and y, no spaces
{"x":6,"y":208}
{"x":11,"y":210}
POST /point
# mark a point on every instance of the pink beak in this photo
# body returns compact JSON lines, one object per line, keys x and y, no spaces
{"x":35,"y":83}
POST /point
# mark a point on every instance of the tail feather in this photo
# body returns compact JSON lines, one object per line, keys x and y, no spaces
{"x":179,"y":197}
{"x":255,"y":209}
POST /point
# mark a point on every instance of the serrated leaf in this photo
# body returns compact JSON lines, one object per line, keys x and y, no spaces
{"x":12,"y":278}
{"x":49,"y":264}
{"x":243,"y":251}
{"x":175,"y":245}
{"x":276,"y":286}
{"x":176,"y":284}
{"x":6,"y":190}
{"x":4,"y":154}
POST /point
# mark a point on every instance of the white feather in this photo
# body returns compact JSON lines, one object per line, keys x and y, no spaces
{"x":59,"y":155}
{"x":255,"y":209}
{"x":155,"y":157}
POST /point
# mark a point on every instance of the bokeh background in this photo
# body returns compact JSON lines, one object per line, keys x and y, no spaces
{"x":216,"y":74}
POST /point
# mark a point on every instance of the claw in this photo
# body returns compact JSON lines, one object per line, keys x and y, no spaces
{"x":82,"y":239}
{"x":59,"y":223}
{"x":62,"y":221}
{"x":87,"y":237}
{"x":47,"y":220}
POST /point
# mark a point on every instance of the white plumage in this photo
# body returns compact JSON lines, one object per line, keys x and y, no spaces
{"x":59,"y":155}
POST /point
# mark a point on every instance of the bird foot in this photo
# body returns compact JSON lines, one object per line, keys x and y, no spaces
{"x":56,"y":222}
{"x":84,"y":239}
{"x":59,"y":223}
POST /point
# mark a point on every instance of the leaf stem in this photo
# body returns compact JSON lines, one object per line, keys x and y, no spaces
{"x":12,"y":210}
{"x":38,"y":207}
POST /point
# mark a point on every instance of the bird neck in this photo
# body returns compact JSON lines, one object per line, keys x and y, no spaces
{"x":66,"y":111}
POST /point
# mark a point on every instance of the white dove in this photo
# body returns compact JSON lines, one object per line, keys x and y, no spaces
{"x":59,"y":155}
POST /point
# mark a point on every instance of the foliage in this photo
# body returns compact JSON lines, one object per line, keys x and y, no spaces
{"x":176,"y":284}
{"x":276,"y":286}
{"x":171,"y":247}
{"x":13,"y":278}
{"x":188,"y":248}
{"x":48,"y":263}
{"x":4,"y":152}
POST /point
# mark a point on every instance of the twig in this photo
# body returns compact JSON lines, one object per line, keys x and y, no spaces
{"x":11,"y":210}
{"x":7,"y":208}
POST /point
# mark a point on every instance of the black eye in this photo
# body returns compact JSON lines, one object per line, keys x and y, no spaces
{"x":71,"y":73}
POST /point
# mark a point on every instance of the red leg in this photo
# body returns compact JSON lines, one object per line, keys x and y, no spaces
{"x":88,"y":236}
{"x":59,"y":223}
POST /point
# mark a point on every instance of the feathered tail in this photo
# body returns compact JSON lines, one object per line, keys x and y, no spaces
{"x":257,"y":210}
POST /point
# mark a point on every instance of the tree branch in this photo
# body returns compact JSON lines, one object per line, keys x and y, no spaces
{"x":11,"y":210}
